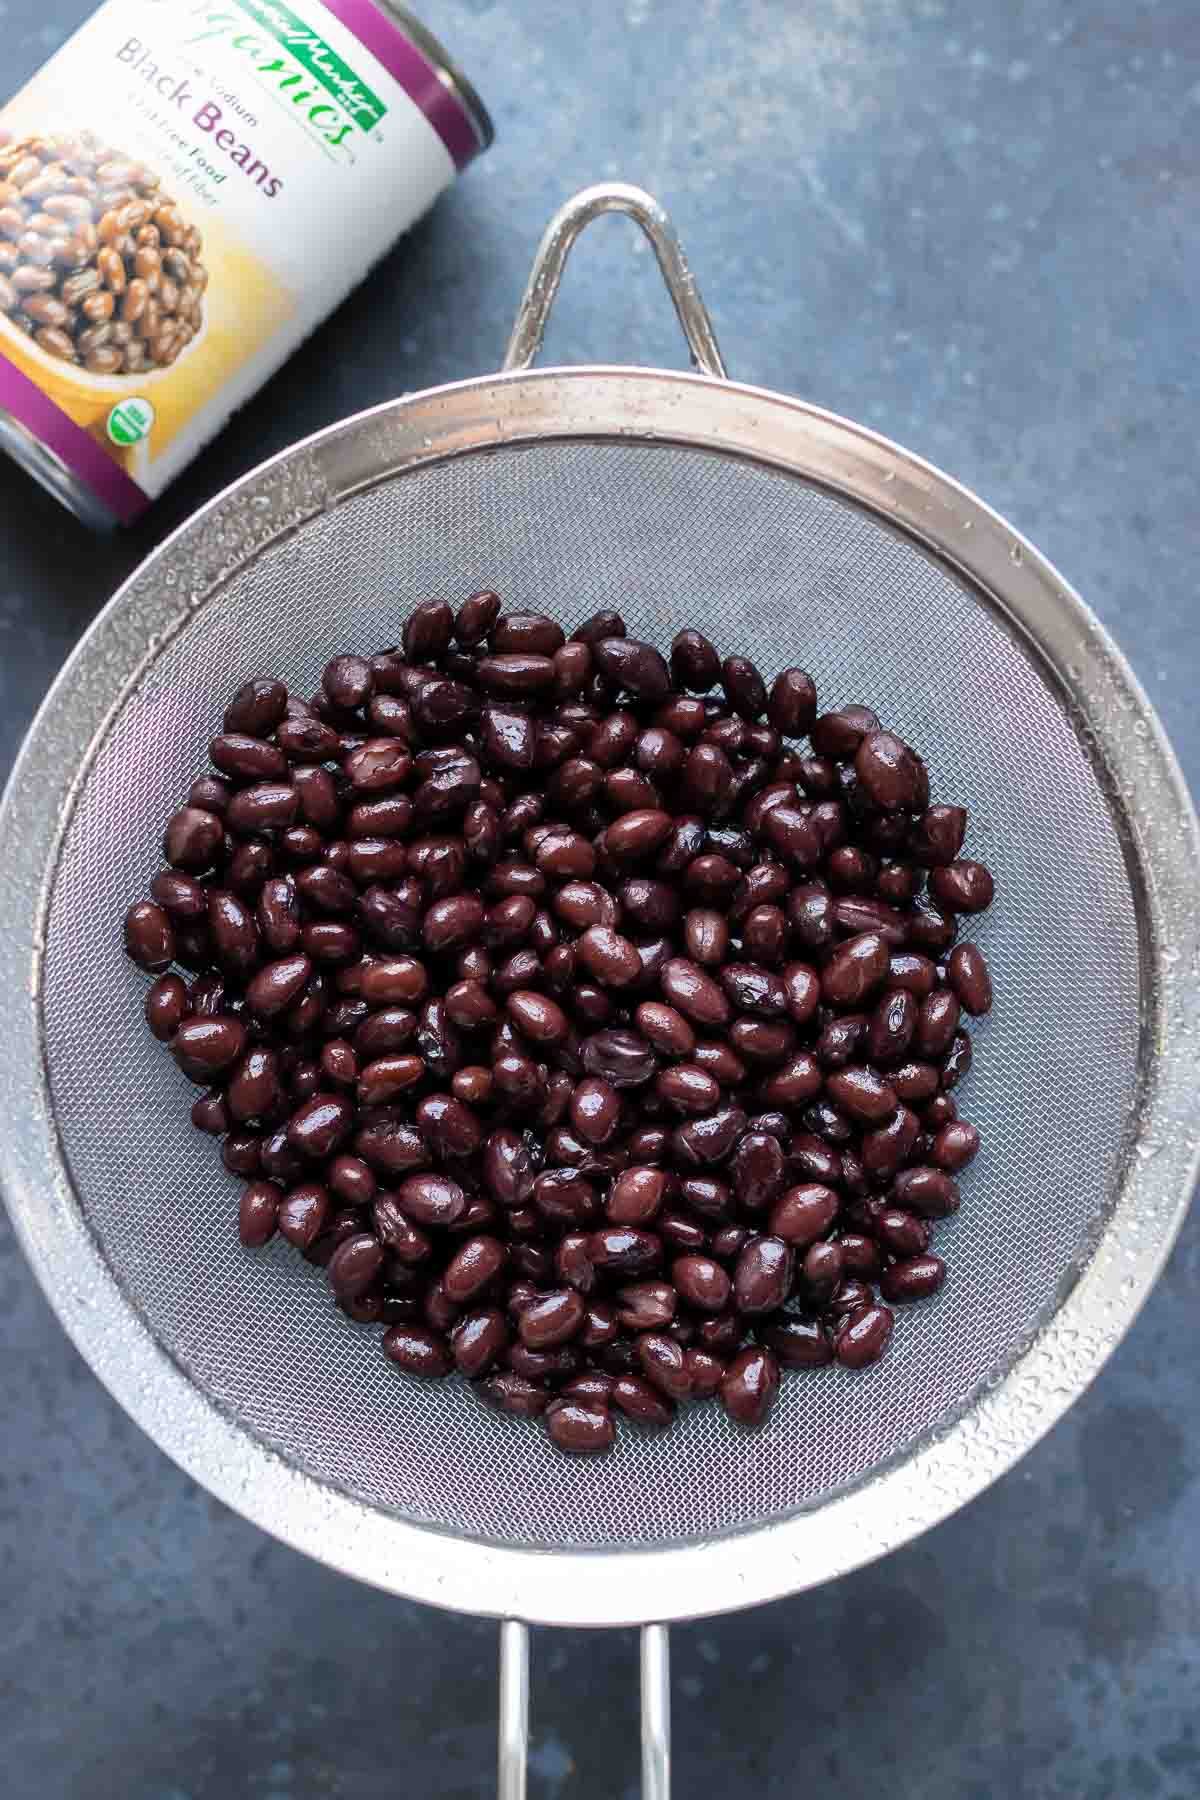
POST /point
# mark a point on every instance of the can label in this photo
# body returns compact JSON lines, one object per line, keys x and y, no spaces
{"x":186,"y":190}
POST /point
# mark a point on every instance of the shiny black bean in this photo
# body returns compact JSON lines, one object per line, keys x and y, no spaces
{"x":958,"y":1060}
{"x":744,"y":687}
{"x":580,"y":1429}
{"x":937,"y":836}
{"x":181,"y":895}
{"x":418,"y":1350}
{"x":167,"y":1005}
{"x":796,"y":1081}
{"x":639,"y":1401}
{"x":855,"y":969}
{"x":664,"y":1364}
{"x":149,"y":936}
{"x":810,"y":915}
{"x":623,"y":1249}
{"x":792,"y":707}
{"x":257,"y":707}
{"x":619,"y":1056}
{"x":862,"y":1094}
{"x":192,"y":839}
{"x":706,"y":1142}
{"x":929,"y":1192}
{"x":205,"y":1047}
{"x":886,"y":1148}
{"x":840,"y":733}
{"x":519,"y":675}
{"x":757,"y":1171}
{"x":954,"y":1146}
{"x":304,"y":1213}
{"x":931,"y":927}
{"x":258,"y":1213}
{"x":863,"y":1336}
{"x":702,"y":1283}
{"x":892,"y":774}
{"x":804,"y":1213}
{"x":968,"y":974}
{"x":749,"y":1384}
{"x":762,"y":1277}
{"x":635,"y":667}
{"x":695,"y":664}
{"x":796,"y":1342}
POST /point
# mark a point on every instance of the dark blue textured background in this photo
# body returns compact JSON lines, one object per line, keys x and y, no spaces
{"x":974,"y":228}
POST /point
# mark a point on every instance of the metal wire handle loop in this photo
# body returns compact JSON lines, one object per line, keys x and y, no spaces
{"x":561,"y":233}
{"x":514,"y":1711}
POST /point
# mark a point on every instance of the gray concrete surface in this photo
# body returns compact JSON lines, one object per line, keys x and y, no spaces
{"x":976,"y":229}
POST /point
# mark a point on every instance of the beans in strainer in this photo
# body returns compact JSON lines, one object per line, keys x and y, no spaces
{"x":594,"y":1036}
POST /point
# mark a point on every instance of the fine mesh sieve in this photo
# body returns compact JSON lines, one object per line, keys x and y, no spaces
{"x":791,"y":537}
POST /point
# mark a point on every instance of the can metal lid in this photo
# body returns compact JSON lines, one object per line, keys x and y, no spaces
{"x":448,"y":73}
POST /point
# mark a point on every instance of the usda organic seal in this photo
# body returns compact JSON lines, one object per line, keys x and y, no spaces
{"x":130,"y":422}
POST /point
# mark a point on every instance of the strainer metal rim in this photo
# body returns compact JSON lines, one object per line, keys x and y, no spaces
{"x":941,"y":1470}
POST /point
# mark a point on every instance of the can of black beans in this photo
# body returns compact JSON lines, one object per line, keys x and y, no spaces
{"x":187,"y":188}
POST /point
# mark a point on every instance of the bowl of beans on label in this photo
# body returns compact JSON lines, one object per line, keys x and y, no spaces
{"x":100,"y":271}
{"x":592,"y":1018}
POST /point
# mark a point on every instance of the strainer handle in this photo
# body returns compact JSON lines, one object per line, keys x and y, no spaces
{"x":555,"y":247}
{"x":514,"y":1711}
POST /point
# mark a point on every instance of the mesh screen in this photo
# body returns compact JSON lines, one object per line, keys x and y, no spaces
{"x":784,"y":572}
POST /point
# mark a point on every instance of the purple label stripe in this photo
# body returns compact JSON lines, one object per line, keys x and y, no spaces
{"x":70,"y":443}
{"x":414,"y":72}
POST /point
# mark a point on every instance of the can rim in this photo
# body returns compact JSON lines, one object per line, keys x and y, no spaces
{"x":447,"y":70}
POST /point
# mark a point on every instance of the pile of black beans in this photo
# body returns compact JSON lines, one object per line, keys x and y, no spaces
{"x":595,"y":1036}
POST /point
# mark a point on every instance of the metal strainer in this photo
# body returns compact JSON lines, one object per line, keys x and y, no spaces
{"x":789,"y":535}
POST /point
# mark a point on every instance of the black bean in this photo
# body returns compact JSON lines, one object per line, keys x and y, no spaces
{"x":840,"y":733}
{"x":958,"y":1060}
{"x":937,"y":836}
{"x":641,"y":1402}
{"x":887,"y":1147}
{"x":796,"y":1342}
{"x":204,"y":1047}
{"x":757,"y":1171}
{"x":257,"y":707}
{"x":863,"y":1336}
{"x":621,"y":1057}
{"x":762,"y":1278}
{"x":307,"y":740}
{"x":796,"y":1081}
{"x":304,"y":1213}
{"x":167,"y":1005}
{"x":193,"y":838}
{"x":418,"y":1350}
{"x":862,"y":1094}
{"x":969,"y":977}
{"x":955,"y":1145}
{"x":708,"y":1141}
{"x":792,"y":707}
{"x":149,"y":936}
{"x":580,"y":1430}
{"x":892,"y":1026}
{"x":930,"y":1192}
{"x":355,"y":1265}
{"x":892,"y":774}
{"x":744,"y":687}
{"x":962,"y":887}
{"x":749,"y":1384}
{"x":701,"y":1282}
{"x":695,"y":664}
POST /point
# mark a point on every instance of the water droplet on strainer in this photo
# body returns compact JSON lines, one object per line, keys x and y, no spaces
{"x":1016,"y":554}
